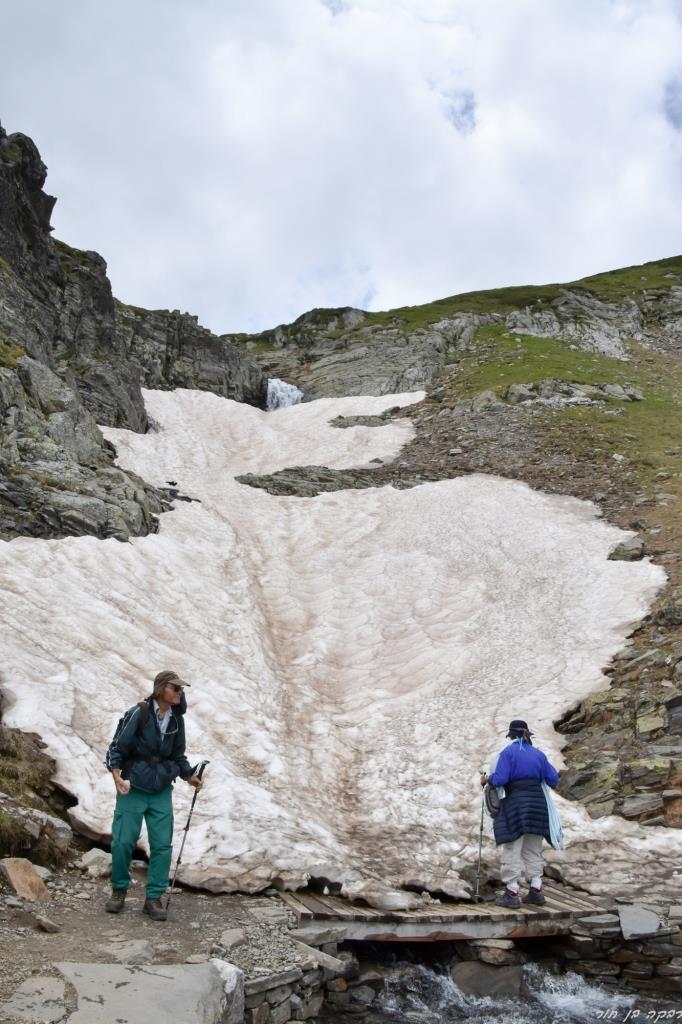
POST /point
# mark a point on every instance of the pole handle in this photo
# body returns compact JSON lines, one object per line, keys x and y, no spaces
{"x":200,"y":771}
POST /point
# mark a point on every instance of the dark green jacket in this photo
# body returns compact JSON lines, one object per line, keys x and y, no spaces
{"x":151,"y":762}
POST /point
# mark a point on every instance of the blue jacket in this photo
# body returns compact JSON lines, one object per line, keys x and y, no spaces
{"x":151,"y":762}
{"x":520,"y":760}
{"x":521,"y":769}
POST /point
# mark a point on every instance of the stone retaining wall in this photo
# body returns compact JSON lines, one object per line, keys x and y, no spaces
{"x":647,"y":963}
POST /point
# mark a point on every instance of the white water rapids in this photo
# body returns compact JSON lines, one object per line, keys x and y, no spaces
{"x":281,"y":395}
{"x":354,"y":657}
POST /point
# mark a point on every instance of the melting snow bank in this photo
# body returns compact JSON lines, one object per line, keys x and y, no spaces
{"x":281,"y":395}
{"x":354,"y":657}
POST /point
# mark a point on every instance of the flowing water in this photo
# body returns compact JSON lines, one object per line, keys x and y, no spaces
{"x":280,"y":394}
{"x":426,"y":996}
{"x":433,"y":997}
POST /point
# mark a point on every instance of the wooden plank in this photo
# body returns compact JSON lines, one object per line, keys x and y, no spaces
{"x":355,"y":911}
{"x":298,"y":907}
{"x":577,"y":902}
{"x":362,"y":912}
{"x":553,"y":899}
{"x":328,"y":909}
{"x":340,"y":908}
{"x":569,"y":891}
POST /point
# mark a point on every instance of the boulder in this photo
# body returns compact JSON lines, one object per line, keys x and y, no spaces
{"x":232,"y":937}
{"x":23,"y":879}
{"x":476,"y":979}
{"x":628,"y":551}
{"x":518,"y":393}
{"x":486,"y":401}
{"x":96,"y":862}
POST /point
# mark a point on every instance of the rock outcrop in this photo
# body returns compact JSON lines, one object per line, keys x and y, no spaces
{"x":335,"y":352}
{"x":330,"y":353}
{"x":72,"y":357}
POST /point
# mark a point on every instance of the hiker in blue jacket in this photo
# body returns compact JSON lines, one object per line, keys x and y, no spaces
{"x":145,"y":757}
{"x":524,"y":817}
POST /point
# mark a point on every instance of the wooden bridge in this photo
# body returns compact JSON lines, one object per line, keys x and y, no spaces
{"x":447,"y":920}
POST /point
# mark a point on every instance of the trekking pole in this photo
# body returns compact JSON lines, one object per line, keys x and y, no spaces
{"x":199,"y":772}
{"x":477,"y":893}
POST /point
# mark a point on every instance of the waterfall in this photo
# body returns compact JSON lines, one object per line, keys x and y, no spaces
{"x":281,"y":394}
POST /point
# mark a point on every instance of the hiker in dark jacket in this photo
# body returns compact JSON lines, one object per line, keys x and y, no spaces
{"x":523,"y":820}
{"x":145,"y":757}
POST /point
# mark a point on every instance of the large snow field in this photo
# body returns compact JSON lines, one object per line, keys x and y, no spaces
{"x":354,"y":657}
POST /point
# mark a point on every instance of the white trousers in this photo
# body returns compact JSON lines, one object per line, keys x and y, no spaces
{"x":522,"y":859}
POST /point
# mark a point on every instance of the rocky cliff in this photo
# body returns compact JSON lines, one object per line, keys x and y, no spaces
{"x":72,"y":357}
{"x":335,"y":352}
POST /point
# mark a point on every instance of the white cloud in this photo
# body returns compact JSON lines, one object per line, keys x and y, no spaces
{"x":249,"y":161}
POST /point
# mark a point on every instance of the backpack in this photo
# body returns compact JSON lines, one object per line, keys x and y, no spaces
{"x":492,"y":800}
{"x":141,"y":722}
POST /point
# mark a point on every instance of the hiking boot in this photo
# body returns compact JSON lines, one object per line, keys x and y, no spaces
{"x":154,"y":909}
{"x":508,"y":899}
{"x":534,"y":896}
{"x":116,"y":901}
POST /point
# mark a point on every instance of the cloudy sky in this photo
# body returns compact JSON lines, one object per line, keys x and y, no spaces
{"x":251,"y":159}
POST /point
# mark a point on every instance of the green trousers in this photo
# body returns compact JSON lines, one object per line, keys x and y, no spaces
{"x":157,"y":811}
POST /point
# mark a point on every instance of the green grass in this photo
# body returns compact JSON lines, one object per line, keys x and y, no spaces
{"x":501,"y":359}
{"x":613,"y":286}
{"x":646,"y":432}
{"x":9,"y":352}
{"x":13,"y":838}
{"x":5,"y":267}
{"x":138,"y":310}
{"x":10,"y":152}
{"x":617,"y":285}
{"x":66,"y":250}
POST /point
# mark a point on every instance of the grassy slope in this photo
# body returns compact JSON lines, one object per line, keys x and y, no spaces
{"x":648,"y":433}
{"x":613,"y":286}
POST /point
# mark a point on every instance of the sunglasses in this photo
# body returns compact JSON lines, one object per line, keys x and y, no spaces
{"x":175,"y":687}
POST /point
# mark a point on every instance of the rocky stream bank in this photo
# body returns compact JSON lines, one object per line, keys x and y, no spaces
{"x":227,"y":959}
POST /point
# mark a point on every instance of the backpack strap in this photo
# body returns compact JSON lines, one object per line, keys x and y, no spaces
{"x":144,"y":715}
{"x":142,"y":720}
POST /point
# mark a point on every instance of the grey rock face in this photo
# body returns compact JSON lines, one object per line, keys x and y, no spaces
{"x":587,"y":321}
{"x":590,"y":323}
{"x":560,"y":393}
{"x":341,"y":352}
{"x":71,"y":357}
{"x":172,"y":350}
{"x":330,"y":353}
